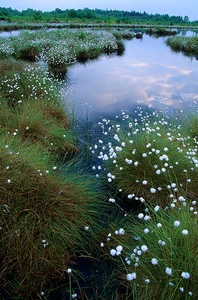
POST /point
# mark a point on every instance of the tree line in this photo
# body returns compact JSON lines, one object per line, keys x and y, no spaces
{"x":90,"y":15}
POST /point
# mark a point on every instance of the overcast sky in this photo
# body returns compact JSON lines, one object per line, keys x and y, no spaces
{"x":171,"y":7}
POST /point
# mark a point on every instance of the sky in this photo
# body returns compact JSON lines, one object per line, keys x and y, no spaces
{"x":172,"y":7}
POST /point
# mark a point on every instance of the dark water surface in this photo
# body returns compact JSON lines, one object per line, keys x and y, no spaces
{"x":148,"y":73}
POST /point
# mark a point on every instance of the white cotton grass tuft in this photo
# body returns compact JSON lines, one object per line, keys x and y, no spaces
{"x":69,"y":270}
{"x":168,"y":271}
{"x":112,"y":200}
{"x":185,"y":232}
{"x":144,"y":182}
{"x":131,"y":276}
{"x":176,"y":223}
{"x":119,"y":248}
{"x":140,"y":216}
{"x":154,"y":261}
{"x":185,"y":275}
{"x":121,"y":231}
{"x":144,"y":248}
{"x":113,"y":252}
{"x":156,"y":208}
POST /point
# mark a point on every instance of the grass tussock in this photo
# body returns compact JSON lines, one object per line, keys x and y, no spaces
{"x":155,"y":255}
{"x":31,"y":108}
{"x":150,"y":243}
{"x":44,"y":208}
{"x":186,"y":45}
{"x":161,"y":31}
{"x":42,"y":217}
{"x":150,"y":162}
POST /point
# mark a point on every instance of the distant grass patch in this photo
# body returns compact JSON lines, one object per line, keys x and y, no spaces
{"x":161,"y":31}
{"x":186,"y":45}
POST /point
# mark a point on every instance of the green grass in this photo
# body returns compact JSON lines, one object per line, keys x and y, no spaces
{"x":150,"y":162}
{"x":186,"y":45}
{"x":107,"y":228}
{"x":38,"y":203}
{"x":142,"y":226}
{"x":165,"y":245}
{"x":44,"y":207}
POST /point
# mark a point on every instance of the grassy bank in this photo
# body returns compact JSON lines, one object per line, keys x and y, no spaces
{"x":45,"y":207}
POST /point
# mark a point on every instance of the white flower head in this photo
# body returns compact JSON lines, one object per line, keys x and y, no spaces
{"x":168,"y":271}
{"x":131,"y":276}
{"x":113,"y":252}
{"x":147,"y":281}
{"x":176,"y":223}
{"x":119,"y":248}
{"x":147,"y":217}
{"x":69,"y":270}
{"x":111,"y":200}
{"x":185,"y":275}
{"x":121,"y":231}
{"x":185,"y":232}
{"x":154,"y":261}
{"x":140,"y":216}
{"x":144,"y":248}
{"x":156,"y":208}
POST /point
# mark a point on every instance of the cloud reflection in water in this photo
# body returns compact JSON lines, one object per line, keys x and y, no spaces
{"x":148,"y":73}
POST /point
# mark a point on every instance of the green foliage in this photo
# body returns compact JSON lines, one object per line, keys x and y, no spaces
{"x":94,"y":15}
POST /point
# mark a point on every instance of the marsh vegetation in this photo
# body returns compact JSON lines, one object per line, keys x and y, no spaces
{"x":123,"y":225}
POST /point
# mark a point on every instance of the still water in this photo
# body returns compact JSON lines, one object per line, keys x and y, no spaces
{"x":149,"y":73}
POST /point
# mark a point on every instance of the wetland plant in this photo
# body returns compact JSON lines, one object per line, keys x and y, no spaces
{"x":186,"y":45}
{"x":147,"y":162}
{"x":152,"y":250}
{"x":46,"y":209}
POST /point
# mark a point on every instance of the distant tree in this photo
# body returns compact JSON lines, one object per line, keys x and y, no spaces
{"x":37,"y":16}
{"x":88,"y":14}
{"x":186,"y":19}
{"x":72,"y":13}
{"x":59,"y":11}
{"x":97,"y":15}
